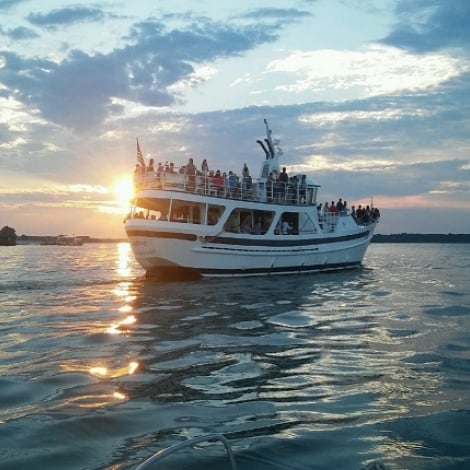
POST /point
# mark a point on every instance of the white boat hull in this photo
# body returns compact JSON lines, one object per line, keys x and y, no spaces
{"x":163,"y":253}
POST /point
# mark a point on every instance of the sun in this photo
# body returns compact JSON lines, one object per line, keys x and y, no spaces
{"x":123,"y":190}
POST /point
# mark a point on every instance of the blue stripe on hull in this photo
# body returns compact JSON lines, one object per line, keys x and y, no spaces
{"x":248,"y":241}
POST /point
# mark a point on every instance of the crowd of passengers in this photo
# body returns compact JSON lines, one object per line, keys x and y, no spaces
{"x":362,"y":215}
{"x":279,"y":188}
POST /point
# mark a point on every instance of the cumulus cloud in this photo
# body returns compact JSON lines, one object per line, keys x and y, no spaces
{"x":9,"y":4}
{"x":430,"y":25}
{"x":65,"y":16}
{"x":277,"y":14}
{"x":20,"y":33}
{"x":374,"y":70}
{"x":78,"y":91}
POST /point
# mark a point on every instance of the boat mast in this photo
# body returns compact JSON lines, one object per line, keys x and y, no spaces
{"x":271,"y":164}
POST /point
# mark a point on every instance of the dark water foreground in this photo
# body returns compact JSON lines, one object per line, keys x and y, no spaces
{"x":100,"y":368}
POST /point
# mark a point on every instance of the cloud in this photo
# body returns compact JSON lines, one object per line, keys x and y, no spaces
{"x":374,"y":70}
{"x":20,"y":33}
{"x":9,"y":4}
{"x":278,"y":14}
{"x":430,"y":25}
{"x":78,"y":92}
{"x":65,"y":16}
{"x":47,"y":194}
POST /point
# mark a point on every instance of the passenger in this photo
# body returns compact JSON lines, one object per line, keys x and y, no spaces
{"x":204,"y":168}
{"x":286,"y":228}
{"x":232,"y":183}
{"x":339,"y":205}
{"x":292,"y":190}
{"x":359,"y":214}
{"x":280,"y":186}
{"x":245,"y":171}
{"x":159,"y":173}
{"x":332,"y":208}
{"x":226,"y":184}
{"x":283,"y":179}
{"x":257,"y":227}
{"x":234,"y":223}
{"x":218,"y":182}
{"x":283,"y":176}
{"x":150,"y":168}
{"x":246,"y":225}
{"x":190,"y":173}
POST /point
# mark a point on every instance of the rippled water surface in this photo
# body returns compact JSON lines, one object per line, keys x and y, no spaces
{"x":100,"y":368}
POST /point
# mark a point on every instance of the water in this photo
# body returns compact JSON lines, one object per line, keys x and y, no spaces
{"x":100,"y":368}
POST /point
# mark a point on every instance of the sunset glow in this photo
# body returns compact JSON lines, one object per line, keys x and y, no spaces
{"x":123,"y":191}
{"x":374,"y":109}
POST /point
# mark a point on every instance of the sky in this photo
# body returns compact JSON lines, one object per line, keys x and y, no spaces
{"x":368,"y":97}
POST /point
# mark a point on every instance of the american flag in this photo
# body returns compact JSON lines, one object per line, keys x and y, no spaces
{"x":140,"y":157}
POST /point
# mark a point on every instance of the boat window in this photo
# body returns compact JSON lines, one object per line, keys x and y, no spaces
{"x":262,"y":221}
{"x":214,"y":213}
{"x":151,"y":208}
{"x":306,"y":224}
{"x":186,"y":211}
{"x":288,"y":224}
{"x":255,"y":222}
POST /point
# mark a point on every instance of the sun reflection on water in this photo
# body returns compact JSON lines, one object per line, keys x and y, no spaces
{"x":119,"y":327}
{"x":125,"y":308}
{"x":123,"y":267}
{"x":103,"y":372}
{"x":122,"y":290}
{"x":119,"y":395}
{"x":99,"y":371}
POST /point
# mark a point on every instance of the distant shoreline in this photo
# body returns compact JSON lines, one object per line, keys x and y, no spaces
{"x":378,"y":238}
{"x":422,"y":238}
{"x":51,"y":239}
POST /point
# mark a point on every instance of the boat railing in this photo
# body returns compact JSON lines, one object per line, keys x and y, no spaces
{"x":254,"y":189}
{"x":210,"y":438}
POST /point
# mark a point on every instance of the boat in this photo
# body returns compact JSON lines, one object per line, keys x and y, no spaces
{"x":68,"y":240}
{"x":186,"y":224}
{"x":205,"y":442}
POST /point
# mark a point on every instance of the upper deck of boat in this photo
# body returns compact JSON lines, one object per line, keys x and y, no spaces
{"x":297,"y":191}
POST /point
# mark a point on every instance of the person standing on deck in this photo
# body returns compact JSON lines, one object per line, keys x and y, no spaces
{"x":190,"y":175}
